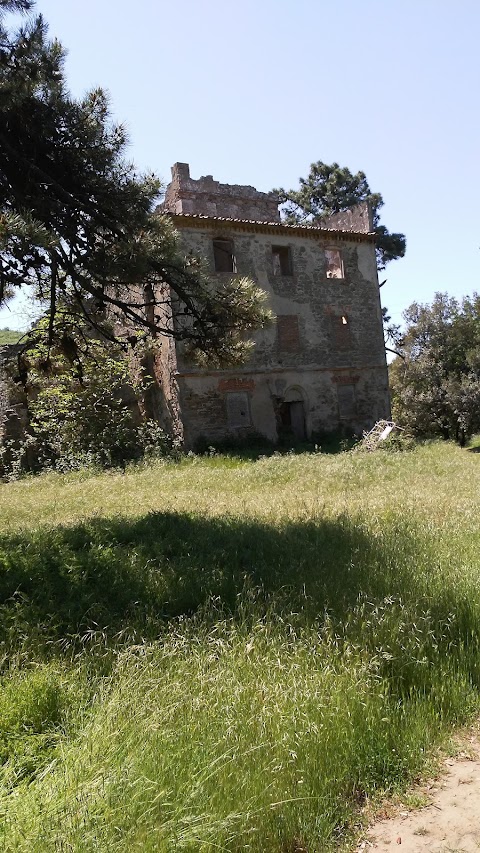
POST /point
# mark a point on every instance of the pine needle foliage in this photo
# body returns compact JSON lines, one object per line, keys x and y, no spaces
{"x":330,"y":189}
{"x":78,"y":223}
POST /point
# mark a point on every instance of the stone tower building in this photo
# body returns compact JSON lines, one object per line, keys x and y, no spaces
{"x":321,"y":366}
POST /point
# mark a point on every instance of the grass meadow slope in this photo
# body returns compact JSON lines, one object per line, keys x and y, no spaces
{"x":228,"y":654}
{"x":7,"y":336}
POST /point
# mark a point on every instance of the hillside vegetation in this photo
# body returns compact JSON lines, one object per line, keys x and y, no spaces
{"x":223,"y":654}
{"x":8,"y":336}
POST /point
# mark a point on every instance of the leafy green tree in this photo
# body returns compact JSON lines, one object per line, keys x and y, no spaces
{"x":78,"y":223}
{"x":330,"y":189}
{"x":436,"y":386}
{"x":82,"y":412}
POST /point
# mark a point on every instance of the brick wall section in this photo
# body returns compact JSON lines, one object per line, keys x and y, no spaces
{"x":288,"y":333}
{"x":232,"y":383}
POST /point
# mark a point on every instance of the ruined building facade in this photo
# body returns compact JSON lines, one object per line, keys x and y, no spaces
{"x":321,"y":366}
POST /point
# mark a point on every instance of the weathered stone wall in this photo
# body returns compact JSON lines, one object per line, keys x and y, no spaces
{"x":205,"y":413}
{"x":208,"y":197}
{"x":357,"y":219}
{"x":326,"y":346}
{"x":165,"y":390}
{"x":156,"y":367}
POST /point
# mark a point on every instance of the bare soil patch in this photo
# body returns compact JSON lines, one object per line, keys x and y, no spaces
{"x":450,"y":820}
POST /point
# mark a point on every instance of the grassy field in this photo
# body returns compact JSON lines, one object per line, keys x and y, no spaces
{"x":7,"y":336}
{"x":223,"y":654}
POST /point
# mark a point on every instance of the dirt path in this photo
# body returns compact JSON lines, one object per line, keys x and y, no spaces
{"x":450,"y":823}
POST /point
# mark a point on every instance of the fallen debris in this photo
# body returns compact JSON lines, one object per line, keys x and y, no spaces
{"x":378,"y":434}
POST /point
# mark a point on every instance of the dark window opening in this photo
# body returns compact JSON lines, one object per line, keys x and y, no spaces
{"x":292,"y":419}
{"x":224,"y":256}
{"x":282,"y":260}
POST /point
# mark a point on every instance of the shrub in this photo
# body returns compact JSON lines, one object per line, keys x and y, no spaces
{"x":83,"y":413}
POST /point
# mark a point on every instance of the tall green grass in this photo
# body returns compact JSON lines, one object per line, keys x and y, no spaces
{"x":8,"y":336}
{"x":229,"y":654}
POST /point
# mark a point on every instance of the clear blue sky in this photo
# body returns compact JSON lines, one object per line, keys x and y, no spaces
{"x":253,"y":92}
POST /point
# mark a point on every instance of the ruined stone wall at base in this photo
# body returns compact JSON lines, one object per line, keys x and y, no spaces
{"x":207,"y":402}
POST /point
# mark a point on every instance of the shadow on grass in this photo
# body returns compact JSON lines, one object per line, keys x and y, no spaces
{"x":252,"y":449}
{"x":119,"y":575}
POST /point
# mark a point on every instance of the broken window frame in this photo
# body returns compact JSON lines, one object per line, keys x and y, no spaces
{"x":331,"y":266}
{"x":224,"y":255}
{"x":282,"y":261}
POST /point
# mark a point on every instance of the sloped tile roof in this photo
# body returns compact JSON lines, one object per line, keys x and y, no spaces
{"x":199,"y":218}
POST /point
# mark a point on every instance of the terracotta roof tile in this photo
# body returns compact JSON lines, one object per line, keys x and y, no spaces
{"x":260,"y":222}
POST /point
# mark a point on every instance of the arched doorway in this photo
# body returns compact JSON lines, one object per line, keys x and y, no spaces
{"x":292,"y":414}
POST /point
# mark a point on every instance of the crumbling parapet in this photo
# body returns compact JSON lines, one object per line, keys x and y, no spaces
{"x":208,"y":197}
{"x":358,"y":219}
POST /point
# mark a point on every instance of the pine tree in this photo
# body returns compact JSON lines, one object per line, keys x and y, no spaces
{"x":329,"y":189}
{"x":77,"y":222}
